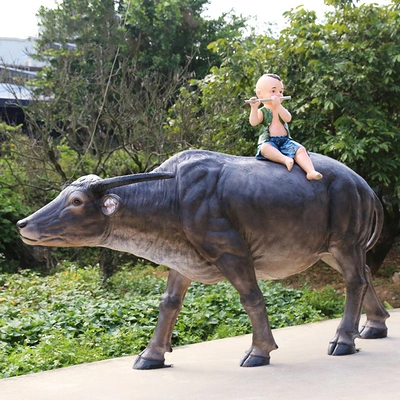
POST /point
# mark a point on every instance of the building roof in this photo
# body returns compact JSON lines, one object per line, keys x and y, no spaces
{"x":14,"y":95}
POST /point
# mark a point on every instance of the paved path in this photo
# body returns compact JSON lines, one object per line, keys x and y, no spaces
{"x":300,"y":369}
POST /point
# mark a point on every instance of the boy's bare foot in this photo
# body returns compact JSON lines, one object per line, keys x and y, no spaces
{"x":289,"y":162}
{"x":314,"y":175}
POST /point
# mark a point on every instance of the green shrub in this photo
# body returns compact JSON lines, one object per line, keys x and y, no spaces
{"x":70,"y":318}
{"x":11,"y":210}
{"x":329,"y":301}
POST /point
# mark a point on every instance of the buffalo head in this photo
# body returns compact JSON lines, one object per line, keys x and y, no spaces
{"x":87,"y":204}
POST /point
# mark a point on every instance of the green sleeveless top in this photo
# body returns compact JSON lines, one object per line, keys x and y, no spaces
{"x":264,"y":131}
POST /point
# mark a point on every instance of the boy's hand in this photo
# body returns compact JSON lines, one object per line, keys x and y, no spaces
{"x":254,"y":105}
{"x":276,"y":101}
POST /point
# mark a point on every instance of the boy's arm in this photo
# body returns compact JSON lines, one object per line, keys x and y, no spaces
{"x":283,"y":113}
{"x":256,"y":115}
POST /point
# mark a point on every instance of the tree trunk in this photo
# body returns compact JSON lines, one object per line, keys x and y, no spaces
{"x":108,"y":263}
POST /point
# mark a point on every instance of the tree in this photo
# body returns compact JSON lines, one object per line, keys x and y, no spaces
{"x":101,"y":103}
{"x":111,"y":80}
{"x":343,"y":75}
{"x":164,"y":35}
{"x":214,"y":106}
{"x":347,"y":71}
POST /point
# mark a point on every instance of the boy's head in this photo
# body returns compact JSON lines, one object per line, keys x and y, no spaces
{"x":269,"y":85}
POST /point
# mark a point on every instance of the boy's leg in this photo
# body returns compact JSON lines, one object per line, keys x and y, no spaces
{"x":304,"y":160}
{"x":273,"y":154}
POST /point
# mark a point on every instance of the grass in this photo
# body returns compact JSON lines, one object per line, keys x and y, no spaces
{"x":70,"y":318}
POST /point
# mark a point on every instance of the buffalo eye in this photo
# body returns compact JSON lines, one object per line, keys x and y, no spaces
{"x":76,"y":201}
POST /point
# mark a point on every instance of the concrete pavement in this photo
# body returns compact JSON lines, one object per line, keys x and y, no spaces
{"x":300,"y":369}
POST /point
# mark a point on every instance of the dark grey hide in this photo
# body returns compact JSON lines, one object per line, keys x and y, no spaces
{"x":211,"y":216}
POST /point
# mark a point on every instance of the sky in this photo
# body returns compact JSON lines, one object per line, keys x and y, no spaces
{"x":18,"y":20}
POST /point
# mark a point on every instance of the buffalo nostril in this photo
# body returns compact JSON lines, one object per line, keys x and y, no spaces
{"x":22,"y":224}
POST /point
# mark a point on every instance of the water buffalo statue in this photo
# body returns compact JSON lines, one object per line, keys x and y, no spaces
{"x":211,"y":216}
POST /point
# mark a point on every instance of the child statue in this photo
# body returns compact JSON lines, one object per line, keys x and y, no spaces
{"x":275,"y":143}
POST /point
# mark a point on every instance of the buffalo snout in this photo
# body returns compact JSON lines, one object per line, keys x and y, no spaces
{"x":22,"y":223}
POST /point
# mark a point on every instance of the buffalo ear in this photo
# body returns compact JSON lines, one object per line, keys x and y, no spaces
{"x":109,"y":204}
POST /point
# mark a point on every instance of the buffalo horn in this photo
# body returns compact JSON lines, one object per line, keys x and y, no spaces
{"x":110,"y":183}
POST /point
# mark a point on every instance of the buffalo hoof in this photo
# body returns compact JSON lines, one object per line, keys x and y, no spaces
{"x":341,"y":349}
{"x":250,"y":360}
{"x":144,"y":363}
{"x":369,"y":332}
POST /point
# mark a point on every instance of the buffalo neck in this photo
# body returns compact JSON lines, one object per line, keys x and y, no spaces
{"x":147,"y":219}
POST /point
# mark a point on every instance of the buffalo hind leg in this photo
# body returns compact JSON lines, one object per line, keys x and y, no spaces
{"x":170,"y":306}
{"x":351,"y":261}
{"x":240,"y":273}
{"x":375,"y":326}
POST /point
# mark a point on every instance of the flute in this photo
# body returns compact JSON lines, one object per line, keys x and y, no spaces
{"x":266,"y":99}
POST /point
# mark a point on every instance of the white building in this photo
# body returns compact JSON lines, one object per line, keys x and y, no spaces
{"x":18,"y":53}
{"x":17,"y":67}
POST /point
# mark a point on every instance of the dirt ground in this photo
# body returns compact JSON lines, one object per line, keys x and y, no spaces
{"x":387,"y":288}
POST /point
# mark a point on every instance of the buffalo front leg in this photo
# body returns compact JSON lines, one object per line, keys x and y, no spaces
{"x":375,"y":326}
{"x":171,"y":303}
{"x":240,"y":273}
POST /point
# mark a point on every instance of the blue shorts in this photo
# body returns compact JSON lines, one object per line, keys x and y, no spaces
{"x":284,"y":144}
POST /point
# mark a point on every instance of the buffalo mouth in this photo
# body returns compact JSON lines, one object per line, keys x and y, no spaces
{"x":53,"y":242}
{"x":28,"y":240}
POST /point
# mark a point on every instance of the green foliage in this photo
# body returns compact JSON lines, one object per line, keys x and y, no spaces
{"x":13,"y":205}
{"x":11,"y":210}
{"x":343,"y":75}
{"x":111,"y":79}
{"x":164,"y":35}
{"x":347,"y":108}
{"x":69,"y":318}
{"x":5,"y":129}
{"x":325,"y":300}
{"x":215,"y":106}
